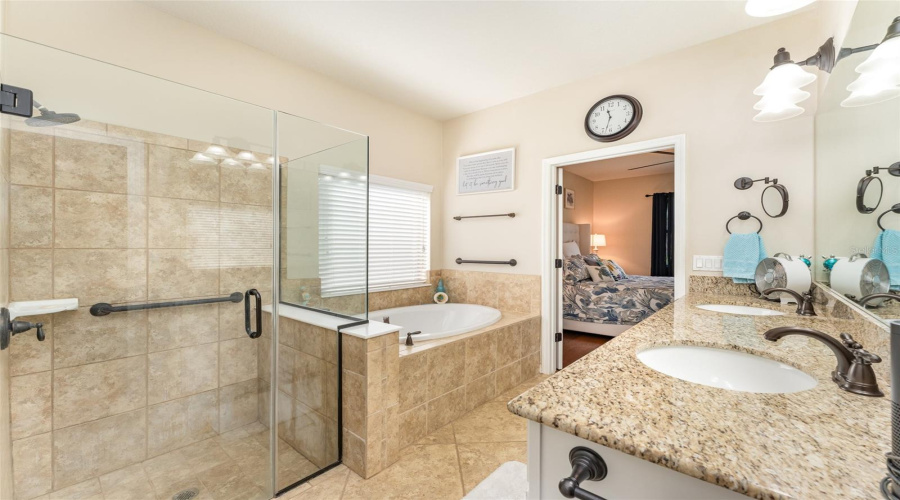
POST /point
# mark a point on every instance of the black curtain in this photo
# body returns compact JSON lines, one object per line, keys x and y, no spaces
{"x":662,"y":247}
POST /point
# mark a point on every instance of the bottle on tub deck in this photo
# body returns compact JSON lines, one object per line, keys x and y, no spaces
{"x":441,"y":296}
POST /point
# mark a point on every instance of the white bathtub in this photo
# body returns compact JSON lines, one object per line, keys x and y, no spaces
{"x":438,"y":320}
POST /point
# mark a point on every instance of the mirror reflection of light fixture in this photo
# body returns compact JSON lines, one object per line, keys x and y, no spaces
{"x":202,"y":159}
{"x":216,"y":151}
{"x":878,"y":81}
{"x":769,"y":8}
{"x":598,"y":240}
{"x":246,"y":156}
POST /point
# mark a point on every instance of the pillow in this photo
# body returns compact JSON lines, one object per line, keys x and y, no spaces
{"x":600,"y":273}
{"x":570,"y":248}
{"x":575,"y":270}
{"x":593,"y":259}
{"x":617,"y":270}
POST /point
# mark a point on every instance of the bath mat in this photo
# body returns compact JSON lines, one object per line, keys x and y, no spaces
{"x":508,"y":482}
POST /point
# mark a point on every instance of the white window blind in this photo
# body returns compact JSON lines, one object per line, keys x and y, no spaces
{"x":399,"y":230}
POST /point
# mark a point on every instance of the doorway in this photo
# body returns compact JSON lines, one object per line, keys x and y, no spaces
{"x":595,"y":312}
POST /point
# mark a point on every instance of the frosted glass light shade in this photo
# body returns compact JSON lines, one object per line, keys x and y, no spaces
{"x":768,"y":8}
{"x":598,"y":240}
{"x":781,"y":99}
{"x":885,"y":57}
{"x":784,"y":78}
{"x":860,"y":98}
{"x":874,"y":81}
{"x":246,"y":156}
{"x":202,"y":159}
{"x":229,"y":162}
{"x":217,"y":151}
{"x":257,"y":166}
{"x":776,"y":114}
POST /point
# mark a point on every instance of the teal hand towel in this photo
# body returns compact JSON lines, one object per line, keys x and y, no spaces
{"x":887,"y":249}
{"x":743,"y":252}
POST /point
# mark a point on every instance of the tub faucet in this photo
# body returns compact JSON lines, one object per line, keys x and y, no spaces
{"x":854,"y":364}
{"x":409,"y":337}
{"x":386,"y":319}
{"x":804,"y":300}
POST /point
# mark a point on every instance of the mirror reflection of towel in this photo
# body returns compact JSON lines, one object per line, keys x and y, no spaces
{"x":743,"y":252}
{"x":887,"y":249}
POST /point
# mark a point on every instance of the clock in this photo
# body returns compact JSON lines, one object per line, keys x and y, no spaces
{"x":613,"y":118}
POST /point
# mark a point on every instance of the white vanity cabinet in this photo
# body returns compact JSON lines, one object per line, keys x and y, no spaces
{"x":628,"y":477}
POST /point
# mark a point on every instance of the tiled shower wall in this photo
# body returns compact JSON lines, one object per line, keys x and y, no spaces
{"x":108,"y":214}
{"x":6,"y":483}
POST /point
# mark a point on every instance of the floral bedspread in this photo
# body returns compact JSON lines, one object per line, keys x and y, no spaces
{"x":624,"y":302}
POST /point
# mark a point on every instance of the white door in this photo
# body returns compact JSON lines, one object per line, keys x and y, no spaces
{"x":558,"y":276}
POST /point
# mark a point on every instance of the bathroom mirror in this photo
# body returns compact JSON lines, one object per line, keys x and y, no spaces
{"x":774,"y":200}
{"x":868,"y":194}
{"x":850,"y":142}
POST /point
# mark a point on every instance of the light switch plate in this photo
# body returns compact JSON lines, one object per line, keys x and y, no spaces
{"x":707,"y":263}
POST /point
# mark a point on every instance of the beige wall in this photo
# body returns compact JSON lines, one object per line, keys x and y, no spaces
{"x":704,"y":92}
{"x":404,"y":144}
{"x":624,"y":215}
{"x":583,"y":212}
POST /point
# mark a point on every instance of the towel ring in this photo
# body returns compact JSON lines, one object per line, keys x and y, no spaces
{"x":748,"y":215}
{"x":895,"y":209}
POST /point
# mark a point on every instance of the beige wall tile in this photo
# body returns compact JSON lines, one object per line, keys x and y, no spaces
{"x":530,"y":366}
{"x":32,"y":355}
{"x":100,"y":275}
{"x":130,"y":482}
{"x":310,"y":433}
{"x":392,"y":430}
{"x":237,"y":360}
{"x":98,"y":390}
{"x":481,"y":390}
{"x":446,"y":364}
{"x":178,"y":223}
{"x":90,"y":165}
{"x":86,"y":219}
{"x":509,"y":344}
{"x":231,"y":321}
{"x":85,"y":490}
{"x":173,"y":176}
{"x":286,"y":360}
{"x":413,"y":381}
{"x":508,"y":376}
{"x":318,"y":342}
{"x":310,"y":374}
{"x":446,"y":409}
{"x":176,"y":274}
{"x":30,"y":274}
{"x":80,"y":338}
{"x":513,"y":297}
{"x":31,"y":217}
{"x":180,"y":422}
{"x":84,"y":451}
{"x":531,"y":336}
{"x":30,"y":158}
{"x":481,"y":355}
{"x":354,"y":403}
{"x":331,"y":391}
{"x":354,"y":354}
{"x":238,"y":404}
{"x":354,"y":453}
{"x":264,"y":359}
{"x":182,"y":372}
{"x":30,"y":405}
{"x":174,"y":327}
{"x":238,"y":279}
{"x":247,"y":186}
{"x":147,"y":137}
{"x":33,"y":473}
{"x":374,"y":381}
{"x":243,"y":227}
{"x":391,"y":376}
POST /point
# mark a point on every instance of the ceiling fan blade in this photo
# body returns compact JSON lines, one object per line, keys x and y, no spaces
{"x":652,"y":165}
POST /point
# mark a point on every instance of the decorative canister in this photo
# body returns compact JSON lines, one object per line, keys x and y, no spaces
{"x":783,"y":271}
{"x":859,"y":276}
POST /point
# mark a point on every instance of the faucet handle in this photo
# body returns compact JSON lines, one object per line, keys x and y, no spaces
{"x":859,"y":354}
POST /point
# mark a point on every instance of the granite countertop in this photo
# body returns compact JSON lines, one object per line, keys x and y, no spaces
{"x":820,"y":443}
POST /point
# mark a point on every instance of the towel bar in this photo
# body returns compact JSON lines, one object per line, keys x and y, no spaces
{"x":895,"y":209}
{"x":747,"y":215}
{"x":510,"y":262}
{"x":460,"y":217}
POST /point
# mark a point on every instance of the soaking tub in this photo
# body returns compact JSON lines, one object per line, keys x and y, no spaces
{"x":438,"y":320}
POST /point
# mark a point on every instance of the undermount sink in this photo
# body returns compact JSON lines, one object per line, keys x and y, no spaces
{"x":729,"y":309}
{"x":726,"y":369}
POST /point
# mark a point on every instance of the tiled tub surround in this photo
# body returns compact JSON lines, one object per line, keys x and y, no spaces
{"x":820,"y":443}
{"x":107,"y":214}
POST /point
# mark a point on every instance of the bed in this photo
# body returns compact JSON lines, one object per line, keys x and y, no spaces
{"x":611,"y":307}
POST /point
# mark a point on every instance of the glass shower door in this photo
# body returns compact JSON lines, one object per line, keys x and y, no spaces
{"x":151,"y":203}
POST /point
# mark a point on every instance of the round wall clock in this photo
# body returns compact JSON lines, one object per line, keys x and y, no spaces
{"x":613,"y":118}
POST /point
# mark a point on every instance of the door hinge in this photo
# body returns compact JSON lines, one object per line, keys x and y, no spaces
{"x":558,"y":337}
{"x":16,"y":101}
{"x":558,"y":263}
{"x":558,"y":189}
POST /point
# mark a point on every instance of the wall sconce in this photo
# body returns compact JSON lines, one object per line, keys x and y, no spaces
{"x":879,"y":78}
{"x":598,"y":240}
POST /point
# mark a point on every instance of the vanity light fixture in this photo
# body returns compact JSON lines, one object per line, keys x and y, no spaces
{"x":769,"y":8}
{"x":598,"y":240}
{"x":879,"y":78}
{"x":202,"y":159}
{"x":216,"y":151}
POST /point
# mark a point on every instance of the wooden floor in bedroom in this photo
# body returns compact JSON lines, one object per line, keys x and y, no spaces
{"x":576,"y":345}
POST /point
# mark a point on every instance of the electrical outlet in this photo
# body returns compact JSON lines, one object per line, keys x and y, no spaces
{"x":707,"y":263}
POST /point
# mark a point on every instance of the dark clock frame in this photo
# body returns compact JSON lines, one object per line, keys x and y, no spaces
{"x":638,"y":114}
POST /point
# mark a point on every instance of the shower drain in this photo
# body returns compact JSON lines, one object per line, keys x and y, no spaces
{"x":186,"y":494}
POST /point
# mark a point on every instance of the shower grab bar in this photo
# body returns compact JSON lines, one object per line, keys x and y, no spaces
{"x":510,"y":262}
{"x":103,"y":308}
{"x":461,"y":217}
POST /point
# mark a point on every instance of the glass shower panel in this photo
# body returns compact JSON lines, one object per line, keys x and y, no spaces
{"x":151,"y":203}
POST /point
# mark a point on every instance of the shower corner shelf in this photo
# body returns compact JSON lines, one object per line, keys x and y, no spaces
{"x":37,"y":307}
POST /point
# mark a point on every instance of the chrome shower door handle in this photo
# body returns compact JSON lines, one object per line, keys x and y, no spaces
{"x":250,"y":332}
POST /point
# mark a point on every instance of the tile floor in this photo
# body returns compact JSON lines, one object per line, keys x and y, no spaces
{"x":446,"y":464}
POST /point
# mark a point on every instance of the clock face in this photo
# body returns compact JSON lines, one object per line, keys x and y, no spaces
{"x":613,"y":118}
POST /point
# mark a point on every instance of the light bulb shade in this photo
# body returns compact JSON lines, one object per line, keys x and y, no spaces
{"x":229,"y":162}
{"x":246,"y":156}
{"x":768,"y":8}
{"x":270,"y":160}
{"x":784,"y":78}
{"x":202,"y":159}
{"x":777,"y":114}
{"x":598,"y":240}
{"x":872,"y":82}
{"x":860,"y":98}
{"x":257,"y":166}
{"x":885,"y":58}
{"x":776,"y":100}
{"x":216,"y":151}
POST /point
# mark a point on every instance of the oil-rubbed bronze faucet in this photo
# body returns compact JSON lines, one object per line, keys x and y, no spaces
{"x":804,"y":300}
{"x":409,"y":337}
{"x":888,"y":296}
{"x":854,"y":364}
